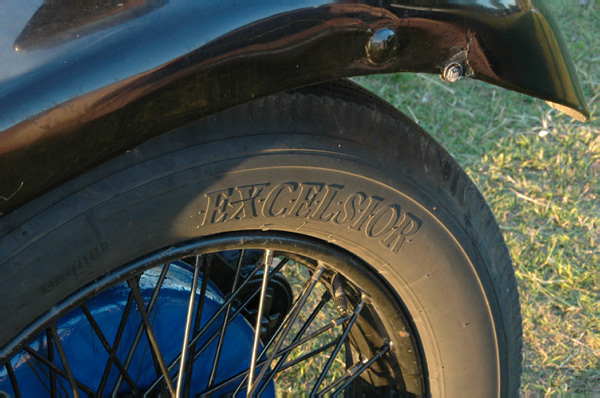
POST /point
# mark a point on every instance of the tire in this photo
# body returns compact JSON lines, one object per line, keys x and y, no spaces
{"x":330,"y":166}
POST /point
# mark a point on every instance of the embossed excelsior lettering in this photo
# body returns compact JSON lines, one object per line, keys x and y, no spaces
{"x":326,"y":210}
{"x":247,"y":201}
{"x":217,"y":206}
{"x":366,"y":211}
{"x":409,"y":225}
{"x":368,"y":214}
{"x":352,"y":206}
{"x":280,"y":199}
{"x":383,"y":221}
{"x":309,"y":199}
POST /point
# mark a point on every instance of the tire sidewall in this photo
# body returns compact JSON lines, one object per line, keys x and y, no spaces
{"x":332,"y":190}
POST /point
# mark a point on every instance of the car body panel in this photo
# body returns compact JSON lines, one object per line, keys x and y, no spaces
{"x":83,"y":81}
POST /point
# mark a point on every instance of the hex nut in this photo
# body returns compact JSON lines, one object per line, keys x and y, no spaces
{"x":452,"y":72}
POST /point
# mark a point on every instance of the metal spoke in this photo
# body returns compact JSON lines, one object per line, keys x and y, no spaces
{"x":211,"y":339}
{"x":268,"y":260}
{"x":111,"y":352}
{"x":232,"y":317}
{"x":51,"y":365}
{"x":278,"y":367}
{"x":353,"y":372}
{"x":36,"y":355}
{"x":207,"y":261}
{"x":13,"y":380}
{"x":308,"y":288}
{"x":337,"y":348}
{"x":215,"y":365}
{"x":140,"y":330}
{"x":37,"y":368}
{"x":50,"y":347}
{"x":63,"y":359}
{"x":349,"y":372}
{"x":137,"y":295}
{"x":116,"y":343}
{"x":323,"y":329}
{"x":223,"y":307}
{"x":188,"y":326}
{"x":308,"y":355}
{"x":283,"y":367}
{"x":41,"y":370}
{"x":215,"y":316}
{"x":274,"y":335}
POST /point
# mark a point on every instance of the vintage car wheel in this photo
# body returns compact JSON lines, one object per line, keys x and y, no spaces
{"x":331,"y":191}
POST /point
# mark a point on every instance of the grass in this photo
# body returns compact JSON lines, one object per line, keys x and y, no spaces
{"x":540,"y":172}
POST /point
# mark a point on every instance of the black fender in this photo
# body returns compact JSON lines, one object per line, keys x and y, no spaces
{"x":82,"y":81}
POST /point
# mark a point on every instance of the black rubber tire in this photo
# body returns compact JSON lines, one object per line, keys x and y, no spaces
{"x":331,"y":162}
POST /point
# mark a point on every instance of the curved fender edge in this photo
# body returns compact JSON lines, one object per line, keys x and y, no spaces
{"x":80,"y":93}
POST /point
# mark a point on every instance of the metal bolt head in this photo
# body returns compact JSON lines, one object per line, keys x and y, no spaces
{"x":381,"y":46}
{"x":452,"y":72}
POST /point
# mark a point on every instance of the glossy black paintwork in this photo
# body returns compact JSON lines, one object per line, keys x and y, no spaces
{"x":59,"y":21}
{"x":83,"y":89}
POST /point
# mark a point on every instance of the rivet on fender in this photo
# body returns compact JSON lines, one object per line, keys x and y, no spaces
{"x":452,"y":72}
{"x":381,"y":46}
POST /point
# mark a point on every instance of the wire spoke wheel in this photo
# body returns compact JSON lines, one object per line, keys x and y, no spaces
{"x":200,"y":319}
